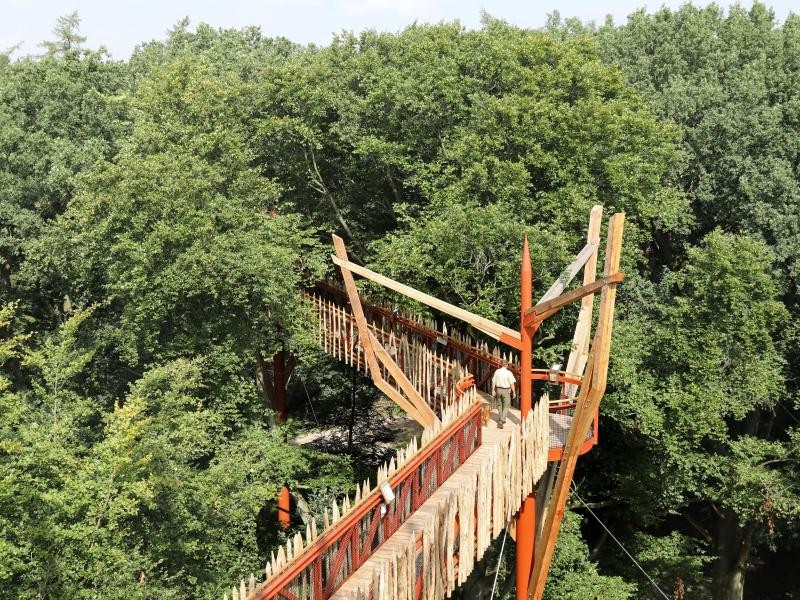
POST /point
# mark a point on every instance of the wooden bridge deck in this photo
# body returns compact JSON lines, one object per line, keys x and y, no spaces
{"x":381,"y":576}
{"x":413,"y":530}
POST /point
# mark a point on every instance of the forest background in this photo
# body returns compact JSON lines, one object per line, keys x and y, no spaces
{"x":159,"y":216}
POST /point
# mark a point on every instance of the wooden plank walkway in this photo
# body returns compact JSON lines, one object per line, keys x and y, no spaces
{"x":403,"y":559}
{"x":418,"y":524}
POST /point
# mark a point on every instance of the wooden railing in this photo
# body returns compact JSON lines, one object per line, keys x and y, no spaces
{"x":318,"y":570}
{"x":433,"y":373}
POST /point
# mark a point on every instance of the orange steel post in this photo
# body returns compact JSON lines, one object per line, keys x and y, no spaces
{"x":526,"y":519}
{"x":284,"y":509}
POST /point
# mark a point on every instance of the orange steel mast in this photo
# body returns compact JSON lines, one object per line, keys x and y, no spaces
{"x":526,"y":520}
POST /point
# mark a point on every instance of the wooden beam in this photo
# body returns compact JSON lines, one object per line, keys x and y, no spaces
{"x":568,"y":274}
{"x":592,"y":390}
{"x":405,"y":385}
{"x":545,"y":310}
{"x":398,"y":398}
{"x":366,"y":341}
{"x":607,"y":301}
{"x":558,"y":499}
{"x":576,"y":363}
{"x":509,"y":341}
{"x":358,"y":311}
{"x":490,"y":328}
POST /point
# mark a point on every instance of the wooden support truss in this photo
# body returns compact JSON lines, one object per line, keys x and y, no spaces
{"x":592,"y":390}
{"x":414,"y":404}
{"x":487,"y":326}
{"x":592,"y":357}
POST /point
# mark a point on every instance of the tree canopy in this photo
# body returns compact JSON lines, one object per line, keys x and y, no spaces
{"x":160,"y":216}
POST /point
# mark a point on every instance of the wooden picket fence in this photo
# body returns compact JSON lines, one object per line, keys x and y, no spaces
{"x":457,"y":489}
{"x":439,"y":547}
{"x":304,"y":568}
{"x":432,"y":356}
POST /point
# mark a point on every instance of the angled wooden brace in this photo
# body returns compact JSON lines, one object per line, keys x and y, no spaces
{"x":487,"y":326}
{"x":408,"y":388}
{"x":536,"y":314}
{"x":588,"y":252}
{"x":373,"y":350}
{"x":592,"y":390}
{"x":576,"y":363}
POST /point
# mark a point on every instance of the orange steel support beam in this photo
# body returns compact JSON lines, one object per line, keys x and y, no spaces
{"x":284,"y":508}
{"x":526,"y":519}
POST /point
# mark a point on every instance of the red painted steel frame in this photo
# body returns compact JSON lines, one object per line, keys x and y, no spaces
{"x":284,"y":508}
{"x":526,"y":519}
{"x":345,"y":530}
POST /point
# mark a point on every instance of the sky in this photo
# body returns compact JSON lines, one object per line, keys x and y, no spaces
{"x":120,"y":25}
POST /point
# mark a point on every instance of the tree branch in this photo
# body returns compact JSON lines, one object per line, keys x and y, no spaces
{"x":778,"y":461}
{"x":700,"y":529}
{"x":603,"y":504}
{"x":319,"y":185}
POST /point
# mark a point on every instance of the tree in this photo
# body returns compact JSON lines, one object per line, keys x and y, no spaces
{"x":573,"y":576}
{"x":59,"y":115}
{"x":697,"y":380}
{"x":371,"y":131}
{"x":730,"y":82}
{"x":67,"y":35}
{"x":153,"y":497}
{"x":177,"y":239}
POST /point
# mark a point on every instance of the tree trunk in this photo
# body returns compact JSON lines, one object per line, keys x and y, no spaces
{"x":730,"y":584}
{"x":264,"y":384}
{"x":734,"y":544}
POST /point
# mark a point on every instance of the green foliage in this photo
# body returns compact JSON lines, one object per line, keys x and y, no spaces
{"x":159,"y":217}
{"x":695,"y":395}
{"x":573,"y":576}
{"x":158,"y":498}
{"x":67,"y":35}
{"x":730,"y":82}
{"x":59,"y":115}
{"x":373,"y":129}
{"x":177,"y":237}
{"x":468,"y":254}
{"x":135,"y":460}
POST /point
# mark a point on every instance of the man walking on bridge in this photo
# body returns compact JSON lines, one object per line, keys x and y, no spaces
{"x":504,"y":389}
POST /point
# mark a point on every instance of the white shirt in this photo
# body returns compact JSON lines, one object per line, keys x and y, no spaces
{"x":503,"y":378}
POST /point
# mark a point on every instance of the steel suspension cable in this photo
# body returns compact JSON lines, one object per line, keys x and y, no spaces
{"x":613,"y":537}
{"x":499,"y":562}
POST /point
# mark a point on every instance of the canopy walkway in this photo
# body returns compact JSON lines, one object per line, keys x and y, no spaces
{"x":435,"y":508}
{"x":436,"y":359}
